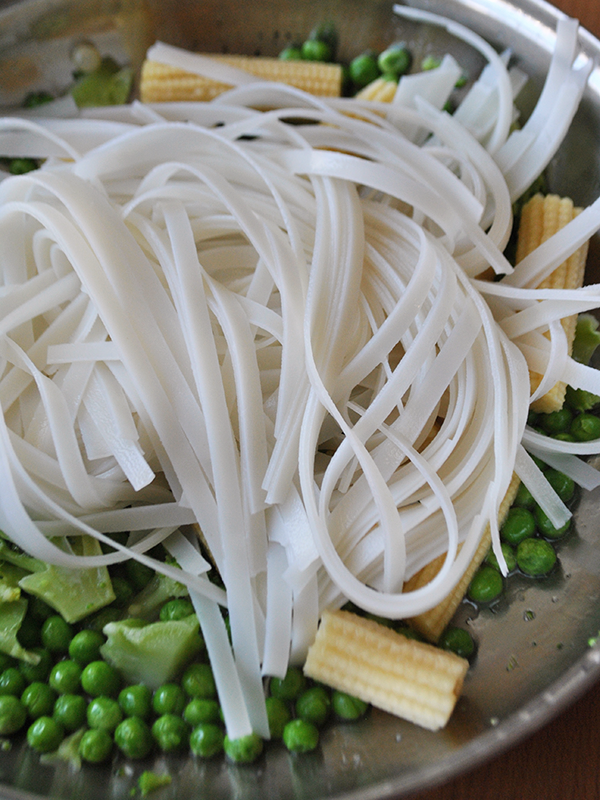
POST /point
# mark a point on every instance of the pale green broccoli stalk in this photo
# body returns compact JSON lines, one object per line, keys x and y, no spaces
{"x":68,"y":751}
{"x":581,"y":400}
{"x":151,"y":653}
{"x":74,"y":593}
{"x":587,"y":338}
{"x":147,"y":604}
{"x":150,"y":781}
{"x":108,"y":85}
{"x":12,"y":614}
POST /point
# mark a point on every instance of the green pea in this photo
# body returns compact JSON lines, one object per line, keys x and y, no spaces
{"x":315,"y":50}
{"x":243,"y":750}
{"x":39,"y":609}
{"x":363,"y":69}
{"x":176,"y":609}
{"x":563,"y":485}
{"x":206,"y":740}
{"x":171,"y":733}
{"x":39,"y":671}
{"x":486,"y":585}
{"x":314,"y":705}
{"x":289,"y":687}
{"x":278,"y":714}
{"x":12,"y":682}
{"x":518,"y":525}
{"x":198,"y":681}
{"x":395,"y":59}
{"x":457,"y":640}
{"x":13,"y":714}
{"x":65,"y":677}
{"x":105,"y":713}
{"x":124,"y":591}
{"x":97,"y":621}
{"x":56,"y":634}
{"x":70,"y":711}
{"x":347,"y":706}
{"x":136,"y":701}
{"x":99,"y":678}
{"x":95,"y":746}
{"x":38,"y":698}
{"x":19,"y":166}
{"x":536,"y":557}
{"x":556,"y":421}
{"x":45,"y":734}
{"x":300,"y":736}
{"x":524,"y":498}
{"x":585,"y":427}
{"x":547,"y":529}
{"x":509,"y":557}
{"x":201,"y":709}
{"x":85,"y":646}
{"x":138,"y":574}
{"x":133,"y":738}
{"x":169,"y":699}
{"x":326,"y":32}
{"x":291,"y":53}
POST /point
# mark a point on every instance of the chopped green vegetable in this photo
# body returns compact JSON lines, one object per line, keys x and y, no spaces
{"x":108,"y":85}
{"x":12,"y":615}
{"x":587,"y":338}
{"x":150,"y":781}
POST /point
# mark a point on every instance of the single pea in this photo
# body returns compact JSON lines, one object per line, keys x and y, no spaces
{"x":278,"y":714}
{"x":585,"y":427}
{"x":556,"y":421}
{"x":314,"y":705}
{"x":56,"y":634}
{"x":65,"y":677}
{"x":347,"y":707}
{"x":170,"y":732}
{"x":175,"y":609}
{"x":486,"y":585}
{"x":70,"y":711}
{"x":136,"y":701}
{"x":206,"y":740}
{"x":315,"y":50}
{"x":457,"y":640}
{"x":39,"y":671}
{"x":291,"y":53}
{"x":169,"y":699}
{"x":198,"y":681}
{"x":289,"y":687}
{"x":39,"y":609}
{"x":524,"y":498}
{"x":45,"y":734}
{"x":563,"y":436}
{"x":363,"y":69}
{"x":243,"y":750}
{"x":133,"y":738}
{"x":547,"y":529}
{"x":13,"y":714}
{"x":124,"y":591}
{"x":300,"y":736}
{"x":85,"y":646}
{"x":509,"y":556}
{"x":105,"y":713}
{"x":395,"y":59}
{"x":19,"y":166}
{"x":97,"y":621}
{"x":429,"y":63}
{"x":95,"y":746}
{"x":138,"y":574}
{"x":326,"y":32}
{"x":518,"y":525}
{"x":563,"y":485}
{"x":12,"y":682}
{"x":201,"y":709}
{"x":536,"y":557}
{"x":99,"y":678}
{"x":38,"y":698}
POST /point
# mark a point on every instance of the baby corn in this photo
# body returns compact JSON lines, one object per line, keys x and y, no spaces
{"x":160,"y":83}
{"x":541,"y":217}
{"x":380,"y":90}
{"x":432,"y":623}
{"x":410,"y":679}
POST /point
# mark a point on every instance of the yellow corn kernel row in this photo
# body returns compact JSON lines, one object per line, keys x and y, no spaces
{"x":541,"y":217}
{"x":410,"y":679}
{"x":432,"y":623}
{"x":379,"y":90}
{"x":160,"y":83}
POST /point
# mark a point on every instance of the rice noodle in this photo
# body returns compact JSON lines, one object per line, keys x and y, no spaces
{"x":209,"y":315}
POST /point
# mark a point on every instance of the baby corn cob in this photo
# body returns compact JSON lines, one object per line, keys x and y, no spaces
{"x":161,"y":83}
{"x":410,"y":679}
{"x":432,"y":623}
{"x":541,"y":217}
{"x":380,"y":90}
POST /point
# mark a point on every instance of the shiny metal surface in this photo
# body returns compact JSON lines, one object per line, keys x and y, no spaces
{"x":534,"y":654}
